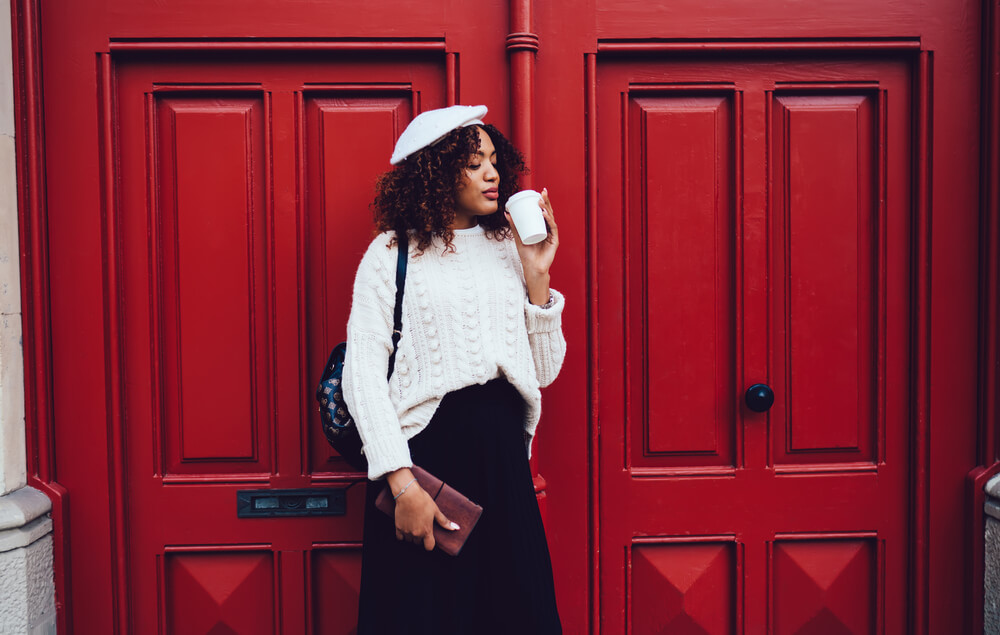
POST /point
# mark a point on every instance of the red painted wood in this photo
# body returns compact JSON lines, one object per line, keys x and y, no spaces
{"x":920,"y":375}
{"x":989,"y":316}
{"x":827,"y":223}
{"x":989,"y":369}
{"x":126,"y":44}
{"x":684,"y":588}
{"x":336,"y":570}
{"x":193,"y":265}
{"x":112,"y":327}
{"x":610,"y":45}
{"x":522,"y":43}
{"x":825,"y":586}
{"x":34,"y":289}
{"x":210,"y":267}
{"x":592,"y":273}
{"x":989,"y":330}
{"x":336,"y":186}
{"x":232,"y":591}
{"x":812,"y":244}
{"x":79,"y":331}
{"x":201,"y":276}
{"x":689,"y":232}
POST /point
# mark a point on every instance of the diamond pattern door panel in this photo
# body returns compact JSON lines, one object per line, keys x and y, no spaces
{"x":219,"y":593}
{"x":683,"y":588}
{"x":824,"y":587}
{"x":336,"y":581}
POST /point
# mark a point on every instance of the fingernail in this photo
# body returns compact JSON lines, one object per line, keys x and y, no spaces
{"x":455,"y":526}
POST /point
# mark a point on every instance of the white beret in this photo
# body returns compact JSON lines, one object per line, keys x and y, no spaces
{"x":429,"y":127}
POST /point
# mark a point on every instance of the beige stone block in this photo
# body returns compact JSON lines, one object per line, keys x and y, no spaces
{"x":12,"y":442}
{"x":13,"y":472}
{"x":27,"y":591}
{"x":6,"y":73}
{"x":10,"y":273}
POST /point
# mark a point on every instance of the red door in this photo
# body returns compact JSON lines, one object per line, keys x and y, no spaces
{"x":755,"y":222}
{"x":242,"y":218}
{"x":209,"y":206}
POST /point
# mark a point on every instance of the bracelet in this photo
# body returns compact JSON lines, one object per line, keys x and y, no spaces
{"x":412,"y":481}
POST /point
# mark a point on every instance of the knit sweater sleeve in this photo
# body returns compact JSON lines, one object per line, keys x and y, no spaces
{"x":548,"y":346}
{"x":369,"y":345}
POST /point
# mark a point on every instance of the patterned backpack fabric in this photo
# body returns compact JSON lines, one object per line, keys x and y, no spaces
{"x":338,"y":425}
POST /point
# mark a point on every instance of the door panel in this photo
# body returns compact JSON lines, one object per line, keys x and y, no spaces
{"x":241,"y":184}
{"x":211,"y":591}
{"x":824,"y":586}
{"x":682,"y":335}
{"x":338,"y":190}
{"x":207,"y":264}
{"x":335,"y":572}
{"x":758,"y":213}
{"x":684,"y":587}
{"x":825,"y":170}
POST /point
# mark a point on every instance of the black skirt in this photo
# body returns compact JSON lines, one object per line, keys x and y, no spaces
{"x":501,"y":582}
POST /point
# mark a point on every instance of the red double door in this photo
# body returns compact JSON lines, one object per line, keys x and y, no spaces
{"x":754,"y":246}
{"x":733,"y":212}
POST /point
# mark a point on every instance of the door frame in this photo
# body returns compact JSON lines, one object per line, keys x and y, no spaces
{"x":988,"y":424}
{"x":920,"y":60}
{"x":36,"y":317}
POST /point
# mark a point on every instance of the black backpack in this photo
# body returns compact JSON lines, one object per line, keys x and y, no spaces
{"x":338,"y":425}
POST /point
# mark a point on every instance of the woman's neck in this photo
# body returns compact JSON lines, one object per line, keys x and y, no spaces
{"x":464,"y":221}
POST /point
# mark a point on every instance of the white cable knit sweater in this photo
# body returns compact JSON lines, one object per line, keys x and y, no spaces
{"x":466,"y":320}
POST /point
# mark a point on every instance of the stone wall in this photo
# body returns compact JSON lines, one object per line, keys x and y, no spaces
{"x":991,"y":579}
{"x":27,"y":592}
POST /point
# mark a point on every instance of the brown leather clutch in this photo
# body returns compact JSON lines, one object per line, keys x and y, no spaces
{"x":457,"y":507}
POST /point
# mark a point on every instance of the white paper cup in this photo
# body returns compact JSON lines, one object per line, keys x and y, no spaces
{"x":527,"y":216}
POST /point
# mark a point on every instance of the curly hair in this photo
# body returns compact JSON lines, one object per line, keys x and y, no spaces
{"x":419,"y":195}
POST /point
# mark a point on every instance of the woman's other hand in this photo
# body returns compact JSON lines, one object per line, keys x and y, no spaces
{"x":416,"y":512}
{"x":536,"y":260}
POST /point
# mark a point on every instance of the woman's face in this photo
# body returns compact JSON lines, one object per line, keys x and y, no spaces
{"x":478,"y":193}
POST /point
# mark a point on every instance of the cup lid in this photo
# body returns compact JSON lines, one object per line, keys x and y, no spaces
{"x":522,"y":194}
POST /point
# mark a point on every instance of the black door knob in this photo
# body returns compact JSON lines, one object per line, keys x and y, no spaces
{"x":759,"y":397}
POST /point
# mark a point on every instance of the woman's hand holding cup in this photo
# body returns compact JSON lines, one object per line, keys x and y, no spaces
{"x":536,"y":257}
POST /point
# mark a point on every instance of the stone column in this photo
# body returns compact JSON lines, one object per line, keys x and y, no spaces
{"x":991,"y":577}
{"x":27,"y":593}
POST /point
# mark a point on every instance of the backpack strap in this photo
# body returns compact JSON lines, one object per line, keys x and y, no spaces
{"x":402,"y":249}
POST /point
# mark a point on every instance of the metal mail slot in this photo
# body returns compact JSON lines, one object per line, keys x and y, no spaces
{"x":272,"y":503}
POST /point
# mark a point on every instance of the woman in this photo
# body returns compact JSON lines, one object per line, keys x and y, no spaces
{"x":481,"y":333}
